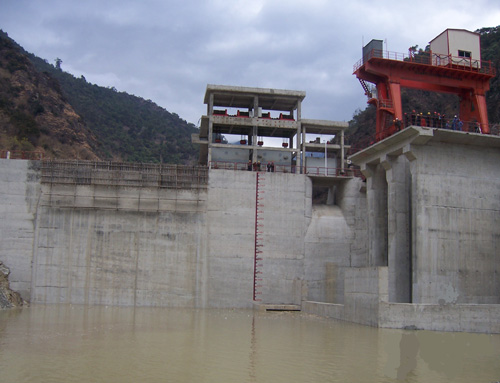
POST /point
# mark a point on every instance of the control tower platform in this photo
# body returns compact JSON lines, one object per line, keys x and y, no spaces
{"x":249,"y":125}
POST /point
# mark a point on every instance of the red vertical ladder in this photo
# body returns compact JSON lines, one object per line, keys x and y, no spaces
{"x":259,"y":239}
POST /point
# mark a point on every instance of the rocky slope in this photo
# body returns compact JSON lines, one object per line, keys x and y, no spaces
{"x":8,"y":298}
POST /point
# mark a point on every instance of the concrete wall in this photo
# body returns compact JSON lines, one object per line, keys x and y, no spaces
{"x":399,"y":228}
{"x":240,"y":156}
{"x":456,"y":209}
{"x":231,"y":237}
{"x":352,"y":199}
{"x":365,"y":288}
{"x":366,"y":303}
{"x":433,"y":199}
{"x":317,"y":165}
{"x":460,"y":317}
{"x":121,"y":245}
{"x":327,"y":254}
{"x":376,"y":194}
{"x":433,"y":208}
{"x":336,"y":240}
{"x":232,"y":155}
{"x":125,"y":252}
{"x":155,"y":246}
{"x":19,"y":192}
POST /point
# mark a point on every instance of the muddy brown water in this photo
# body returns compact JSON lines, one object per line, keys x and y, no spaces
{"x":68,"y":343}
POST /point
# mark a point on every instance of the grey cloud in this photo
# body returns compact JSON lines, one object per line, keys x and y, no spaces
{"x":167,"y":51}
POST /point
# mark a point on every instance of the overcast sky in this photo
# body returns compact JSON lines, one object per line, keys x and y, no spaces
{"x":168,"y":51}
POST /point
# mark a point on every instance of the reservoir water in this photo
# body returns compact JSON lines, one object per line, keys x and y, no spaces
{"x":65,"y":343}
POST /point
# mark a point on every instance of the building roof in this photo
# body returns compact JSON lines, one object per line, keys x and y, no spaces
{"x":243,"y":97}
{"x":454,"y":30}
{"x":323,"y":126}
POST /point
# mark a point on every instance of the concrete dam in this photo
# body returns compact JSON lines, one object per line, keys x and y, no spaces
{"x":414,"y":246}
{"x":150,"y":235}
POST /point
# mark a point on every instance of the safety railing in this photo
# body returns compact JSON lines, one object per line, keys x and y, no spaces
{"x":124,"y":174}
{"x":449,"y":123}
{"x":434,"y":59}
{"x":260,"y":167}
{"x":423,"y":121}
{"x":332,"y":172}
{"x":21,"y":155}
{"x":309,"y":170}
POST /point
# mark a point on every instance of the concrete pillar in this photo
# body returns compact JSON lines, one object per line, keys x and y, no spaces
{"x":398,"y":227}
{"x":376,"y":193}
{"x":303,"y":140}
{"x":254,"y":144}
{"x":210,"y":111}
{"x":342,"y":154}
{"x":300,"y":158}
{"x":255,"y":130}
{"x":331,"y":196}
{"x":300,"y":155}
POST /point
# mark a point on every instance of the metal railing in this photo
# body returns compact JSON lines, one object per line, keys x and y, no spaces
{"x":308,"y":170}
{"x":262,"y":167}
{"x":332,"y":172}
{"x":435,"y":59}
{"x":430,"y":122}
{"x":124,"y":174}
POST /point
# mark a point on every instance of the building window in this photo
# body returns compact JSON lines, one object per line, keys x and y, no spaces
{"x":464,"y":54}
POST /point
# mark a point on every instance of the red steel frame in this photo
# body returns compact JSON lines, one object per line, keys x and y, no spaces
{"x":470,"y":82}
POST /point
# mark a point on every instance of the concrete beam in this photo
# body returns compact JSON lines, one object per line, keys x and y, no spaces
{"x":409,"y":153}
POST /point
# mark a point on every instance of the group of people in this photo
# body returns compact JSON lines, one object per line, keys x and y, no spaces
{"x":256,"y":166}
{"x":432,"y":120}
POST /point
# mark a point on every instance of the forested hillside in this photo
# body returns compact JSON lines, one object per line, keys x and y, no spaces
{"x":124,"y":127}
{"x":362,"y":127}
{"x":34,"y":114}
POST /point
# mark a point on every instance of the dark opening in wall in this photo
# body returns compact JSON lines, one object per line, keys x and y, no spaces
{"x":323,"y":195}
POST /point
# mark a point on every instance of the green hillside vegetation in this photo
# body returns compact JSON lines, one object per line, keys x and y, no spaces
{"x":361,"y":131}
{"x":34,"y":114}
{"x":126,"y":127}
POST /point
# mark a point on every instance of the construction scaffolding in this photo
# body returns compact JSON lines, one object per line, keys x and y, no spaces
{"x":124,"y":174}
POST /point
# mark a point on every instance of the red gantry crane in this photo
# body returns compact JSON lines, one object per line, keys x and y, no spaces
{"x":453,"y":65}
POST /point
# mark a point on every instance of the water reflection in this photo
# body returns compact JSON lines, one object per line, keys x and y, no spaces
{"x":119,"y":344}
